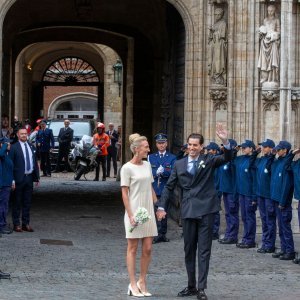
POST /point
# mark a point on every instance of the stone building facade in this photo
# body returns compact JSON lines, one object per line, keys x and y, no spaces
{"x":187,"y":64}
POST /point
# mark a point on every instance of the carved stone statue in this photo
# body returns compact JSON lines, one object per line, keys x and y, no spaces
{"x":218,"y":43}
{"x":269,"y":55}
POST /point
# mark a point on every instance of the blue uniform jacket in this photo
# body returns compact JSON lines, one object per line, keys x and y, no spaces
{"x":45,"y":139}
{"x":296,"y":171}
{"x":167,"y":162}
{"x":282,"y":185}
{"x":244,"y":174}
{"x":227,"y":178}
{"x":217,"y":177}
{"x":7,"y":167}
{"x":262,"y":180}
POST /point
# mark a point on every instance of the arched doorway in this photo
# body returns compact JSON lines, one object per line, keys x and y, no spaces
{"x":74,"y":105}
{"x":73,"y":72}
{"x":149,"y":37}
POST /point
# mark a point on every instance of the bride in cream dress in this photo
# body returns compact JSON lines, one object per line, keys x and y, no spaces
{"x":137,"y":191}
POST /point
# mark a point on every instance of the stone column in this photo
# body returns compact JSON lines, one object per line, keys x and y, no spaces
{"x":128,"y":102}
{"x":285,"y":76}
{"x":239,"y":106}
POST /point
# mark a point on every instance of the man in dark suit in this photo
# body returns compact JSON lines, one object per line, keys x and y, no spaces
{"x":195,"y":176}
{"x":45,"y":144}
{"x":112,"y":149}
{"x":65,"y":137}
{"x":26,"y":171}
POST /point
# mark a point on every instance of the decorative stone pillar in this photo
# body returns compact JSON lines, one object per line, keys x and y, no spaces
{"x":217,"y":67}
{"x":285,"y":71}
{"x":269,"y":126}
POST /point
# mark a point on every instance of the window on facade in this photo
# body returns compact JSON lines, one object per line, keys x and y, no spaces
{"x":88,"y":116}
{"x":70,"y":70}
{"x":78,"y":105}
{"x":73,"y":116}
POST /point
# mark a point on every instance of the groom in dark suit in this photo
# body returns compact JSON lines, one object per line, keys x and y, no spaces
{"x":195,"y":176}
{"x":25,"y":172}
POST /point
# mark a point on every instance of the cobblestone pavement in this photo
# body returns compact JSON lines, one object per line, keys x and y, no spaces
{"x":90,"y":214}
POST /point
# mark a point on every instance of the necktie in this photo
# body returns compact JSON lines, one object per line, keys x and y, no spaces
{"x":161,"y":155}
{"x":28,"y":167}
{"x":193,"y":169}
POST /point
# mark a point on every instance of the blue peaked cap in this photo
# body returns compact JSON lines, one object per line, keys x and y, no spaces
{"x":247,"y":143}
{"x":283,"y":145}
{"x":161,"y":137}
{"x":212,"y":146}
{"x":267,"y":143}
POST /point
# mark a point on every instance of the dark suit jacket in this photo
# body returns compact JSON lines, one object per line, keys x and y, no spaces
{"x":17,"y":157}
{"x":65,"y":137}
{"x":199,"y":196}
{"x":113,"y":140}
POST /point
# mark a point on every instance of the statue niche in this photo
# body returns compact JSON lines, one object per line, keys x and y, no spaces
{"x":218,"y":49}
{"x":269,"y":54}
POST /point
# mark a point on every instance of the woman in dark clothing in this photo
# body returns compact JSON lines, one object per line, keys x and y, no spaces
{"x":6,"y":184}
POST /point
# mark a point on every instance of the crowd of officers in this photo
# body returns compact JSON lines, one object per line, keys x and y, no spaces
{"x":266,"y":177}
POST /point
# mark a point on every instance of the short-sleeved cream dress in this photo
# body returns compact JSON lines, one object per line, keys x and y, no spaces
{"x":139,"y":180}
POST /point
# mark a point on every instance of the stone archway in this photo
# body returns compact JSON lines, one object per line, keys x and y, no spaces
{"x":146,"y":104}
{"x":38,"y":56}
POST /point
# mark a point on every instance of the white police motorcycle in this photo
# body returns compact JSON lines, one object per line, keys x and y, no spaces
{"x":82,"y":158}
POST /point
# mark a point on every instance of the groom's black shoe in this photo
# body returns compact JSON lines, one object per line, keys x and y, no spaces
{"x":160,"y":239}
{"x":188,"y":291}
{"x":201,"y":295}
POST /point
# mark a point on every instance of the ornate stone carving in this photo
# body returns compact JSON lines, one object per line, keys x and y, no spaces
{"x":269,"y":105}
{"x":218,"y":95}
{"x":270,"y":95}
{"x":219,"y":98}
{"x":270,"y":99}
{"x":218,"y":49}
{"x":296,"y":95}
{"x":269,"y":56}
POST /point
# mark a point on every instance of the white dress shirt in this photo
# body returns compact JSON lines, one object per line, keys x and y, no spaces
{"x":162,"y":153}
{"x":30,"y":157}
{"x":190,"y":164}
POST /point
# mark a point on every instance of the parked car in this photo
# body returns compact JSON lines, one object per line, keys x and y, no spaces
{"x":81,"y":127}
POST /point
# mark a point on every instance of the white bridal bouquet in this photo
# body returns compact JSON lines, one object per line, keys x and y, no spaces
{"x":141,"y":216}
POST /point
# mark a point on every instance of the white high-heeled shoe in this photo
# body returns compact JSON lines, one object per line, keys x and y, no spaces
{"x":131,"y":292}
{"x":146,"y":294}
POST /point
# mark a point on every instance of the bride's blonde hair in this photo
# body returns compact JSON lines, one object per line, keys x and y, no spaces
{"x":135,"y":141}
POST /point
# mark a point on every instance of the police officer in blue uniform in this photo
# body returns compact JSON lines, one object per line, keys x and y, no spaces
{"x":266,"y":206}
{"x":227,"y":187}
{"x":214,"y":149}
{"x":45,"y":144}
{"x":296,"y":172}
{"x":162,"y":163}
{"x":282,"y":188}
{"x":244,"y":184}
